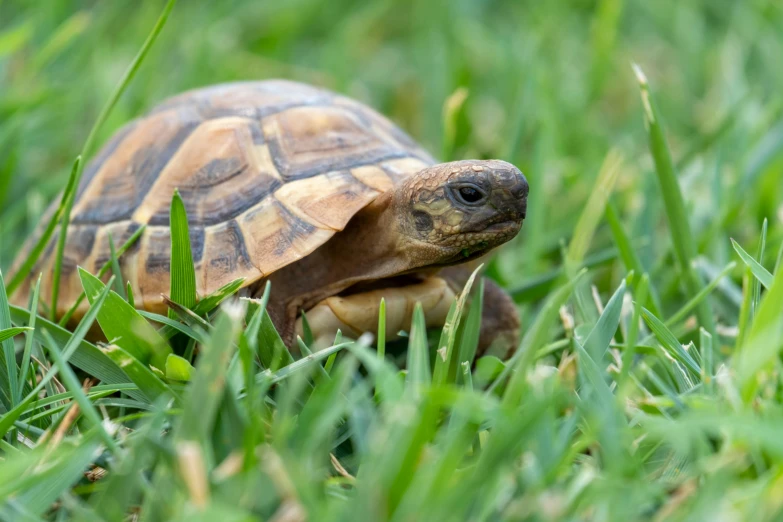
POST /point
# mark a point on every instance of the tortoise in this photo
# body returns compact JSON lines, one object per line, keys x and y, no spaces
{"x":313,"y":191}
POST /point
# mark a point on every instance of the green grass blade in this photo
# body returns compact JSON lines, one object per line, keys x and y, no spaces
{"x":746,"y":308}
{"x":419,"y":373}
{"x":307,"y":332}
{"x":126,"y":480}
{"x":213,"y":300}
{"x":28,"y":342}
{"x":72,"y":384}
{"x":707,"y":361}
{"x":586,"y":226}
{"x":139,"y":373}
{"x":338,"y":339}
{"x":323,"y":374}
{"x":451,"y":110}
{"x":324,"y":409}
{"x":86,"y":356}
{"x":183,"y":272}
{"x":471,"y":330}
{"x":8,"y":369}
{"x":115,"y":268}
{"x":98,"y":391}
{"x":594,"y":377}
{"x":758,"y":271}
{"x":764,"y":341}
{"x":535,"y":337}
{"x":755,"y":276}
{"x":9,"y":333}
{"x":679,"y":224}
{"x":381,"y":343}
{"x":187,"y":316}
{"x":35,"y":253}
{"x":252,"y":393}
{"x":640,"y":295}
{"x":590,"y":217}
{"x":692,"y":303}
{"x":669,"y":342}
{"x":178,"y":368}
{"x":628,"y":255}
{"x":70,"y":192}
{"x":172,"y":327}
{"x":65,"y":216}
{"x":760,"y":256}
{"x":272,"y":351}
{"x":389,"y":388}
{"x":447,"y":359}
{"x":123,"y":325}
{"x":205,"y":390}
{"x":597,"y":342}
{"x":129,"y":293}
{"x":48,"y":478}
{"x":307,"y":361}
{"x":104,"y":269}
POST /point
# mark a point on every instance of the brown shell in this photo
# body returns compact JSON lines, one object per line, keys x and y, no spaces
{"x":268,"y":172}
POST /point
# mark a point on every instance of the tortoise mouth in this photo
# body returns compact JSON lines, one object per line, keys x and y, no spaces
{"x":480,"y":242}
{"x":503,"y":226}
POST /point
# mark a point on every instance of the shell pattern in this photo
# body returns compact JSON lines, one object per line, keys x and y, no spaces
{"x":268,"y":171}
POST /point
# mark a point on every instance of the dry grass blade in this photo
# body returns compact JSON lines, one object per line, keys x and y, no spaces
{"x":338,"y":467}
{"x":72,"y":384}
{"x":67,"y":421}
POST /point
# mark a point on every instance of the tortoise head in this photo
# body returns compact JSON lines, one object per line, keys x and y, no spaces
{"x":455,"y":212}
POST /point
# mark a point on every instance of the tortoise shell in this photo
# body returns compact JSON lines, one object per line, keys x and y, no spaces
{"x":268,"y":171}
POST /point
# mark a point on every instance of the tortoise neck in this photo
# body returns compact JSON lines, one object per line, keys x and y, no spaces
{"x":367,"y":249}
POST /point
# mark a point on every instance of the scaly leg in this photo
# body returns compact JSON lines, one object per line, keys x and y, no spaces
{"x":357,"y":313}
{"x":500,"y":326}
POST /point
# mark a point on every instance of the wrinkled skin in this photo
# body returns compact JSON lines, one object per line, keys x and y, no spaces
{"x":446,"y":215}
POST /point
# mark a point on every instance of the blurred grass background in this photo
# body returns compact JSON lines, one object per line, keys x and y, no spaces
{"x":549,"y":87}
{"x":617,"y":419}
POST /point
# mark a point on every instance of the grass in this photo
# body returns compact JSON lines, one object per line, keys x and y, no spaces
{"x":646,"y":386}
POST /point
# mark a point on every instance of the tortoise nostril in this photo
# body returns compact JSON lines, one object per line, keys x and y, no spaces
{"x":524,"y":187}
{"x":524,"y":191}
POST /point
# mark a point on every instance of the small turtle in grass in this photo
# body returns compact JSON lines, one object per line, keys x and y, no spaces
{"x":288,"y":183}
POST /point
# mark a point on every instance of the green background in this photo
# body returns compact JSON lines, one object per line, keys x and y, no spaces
{"x":608,"y":412}
{"x":549,"y":84}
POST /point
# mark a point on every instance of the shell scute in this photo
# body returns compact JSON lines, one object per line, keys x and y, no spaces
{"x":129,"y":173}
{"x":254,"y":100}
{"x":227,"y":255}
{"x":276,"y":237}
{"x":218,"y":172}
{"x":306,"y":142}
{"x":330,"y":199}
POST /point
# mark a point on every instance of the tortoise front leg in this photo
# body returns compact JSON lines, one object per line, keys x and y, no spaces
{"x":357,"y":313}
{"x":500,"y":326}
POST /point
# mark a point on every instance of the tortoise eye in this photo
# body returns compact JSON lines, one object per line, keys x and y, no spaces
{"x":469,"y":195}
